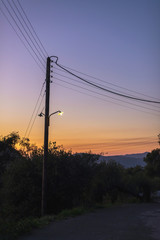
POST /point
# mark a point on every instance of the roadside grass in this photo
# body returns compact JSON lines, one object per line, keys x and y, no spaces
{"x":71,"y":213}
{"x":12,"y":229}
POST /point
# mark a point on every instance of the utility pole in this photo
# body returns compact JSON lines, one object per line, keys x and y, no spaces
{"x":46,"y":133}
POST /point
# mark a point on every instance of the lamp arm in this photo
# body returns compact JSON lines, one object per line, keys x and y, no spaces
{"x":54,"y":113}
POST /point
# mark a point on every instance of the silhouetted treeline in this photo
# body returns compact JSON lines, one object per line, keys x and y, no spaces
{"x":72,"y":180}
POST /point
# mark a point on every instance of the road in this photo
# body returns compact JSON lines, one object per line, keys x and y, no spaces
{"x":126,"y":222}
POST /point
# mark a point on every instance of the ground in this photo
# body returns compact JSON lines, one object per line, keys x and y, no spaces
{"x":125,"y":222}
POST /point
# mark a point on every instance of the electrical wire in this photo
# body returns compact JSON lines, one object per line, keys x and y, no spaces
{"x":106,"y":95}
{"x":21,"y":32}
{"x":31,"y":122}
{"x":104,"y":89}
{"x":24,"y":29}
{"x":102,"y":98}
{"x":32,"y":28}
{"x":153,"y":106}
{"x":40,"y":95}
{"x":40,"y":50}
{"x":61,"y":70}
{"x":38,"y":110}
{"x":21,"y":40}
{"x":108,"y":82}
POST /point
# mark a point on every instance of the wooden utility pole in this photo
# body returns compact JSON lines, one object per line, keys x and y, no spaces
{"x":46,"y":133}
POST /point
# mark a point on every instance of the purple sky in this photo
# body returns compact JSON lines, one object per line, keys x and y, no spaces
{"x":116,"y":41}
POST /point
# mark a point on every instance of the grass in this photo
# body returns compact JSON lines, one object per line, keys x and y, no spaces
{"x":71,"y":213}
{"x":11,"y":230}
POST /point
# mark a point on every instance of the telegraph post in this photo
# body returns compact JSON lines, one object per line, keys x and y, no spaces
{"x":46,"y":133}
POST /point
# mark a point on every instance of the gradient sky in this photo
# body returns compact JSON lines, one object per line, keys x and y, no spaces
{"x":114,"y":40}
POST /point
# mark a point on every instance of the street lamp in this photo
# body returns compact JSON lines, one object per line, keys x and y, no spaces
{"x":59,"y":113}
{"x":47,"y":118}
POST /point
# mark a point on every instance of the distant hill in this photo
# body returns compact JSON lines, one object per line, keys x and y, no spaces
{"x":128,"y":160}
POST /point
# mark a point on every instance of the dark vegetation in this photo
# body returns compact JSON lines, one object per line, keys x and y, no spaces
{"x":73,"y":182}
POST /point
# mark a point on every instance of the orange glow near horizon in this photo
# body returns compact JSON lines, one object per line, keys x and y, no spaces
{"x":88,"y":137}
{"x":109,"y":147}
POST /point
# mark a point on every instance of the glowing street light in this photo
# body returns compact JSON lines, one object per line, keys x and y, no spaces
{"x":60,"y":113}
{"x":44,"y":189}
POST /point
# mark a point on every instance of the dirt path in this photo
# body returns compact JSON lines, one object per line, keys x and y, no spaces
{"x":127,"y":222}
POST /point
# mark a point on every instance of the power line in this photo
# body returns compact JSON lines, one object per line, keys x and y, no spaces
{"x":26,"y":32}
{"x":11,"y":12}
{"x":38,"y":110}
{"x":61,"y":70}
{"x":30,"y":31}
{"x":108,"y":82}
{"x":40,"y":95}
{"x":21,"y":32}
{"x":21,"y":39}
{"x":101,"y":98}
{"x":32,"y":27}
{"x":153,"y":106}
{"x":105,"y":96}
{"x":104,"y":89}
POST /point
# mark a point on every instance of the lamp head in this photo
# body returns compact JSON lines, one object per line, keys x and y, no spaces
{"x":40,"y":115}
{"x":60,"y":113}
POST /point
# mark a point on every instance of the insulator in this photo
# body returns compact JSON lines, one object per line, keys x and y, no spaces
{"x":51,"y":71}
{"x":51,"y":66}
{"x":51,"y":76}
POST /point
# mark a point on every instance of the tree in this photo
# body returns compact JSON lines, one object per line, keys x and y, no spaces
{"x":153,"y":163}
{"x":21,"y":188}
{"x":11,"y":139}
{"x":106,"y":181}
{"x":8,"y":153}
{"x":68,"y":178}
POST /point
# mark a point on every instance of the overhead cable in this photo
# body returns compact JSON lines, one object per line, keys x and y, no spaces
{"x":32,"y":27}
{"x":22,"y":33}
{"x":40,"y":50}
{"x":109,"y":96}
{"x":21,"y":40}
{"x":34,"y":110}
{"x":105,"y":89}
{"x":38,"y":110}
{"x":73,"y":79}
{"x":24,"y":29}
{"x":104,"y":99}
{"x":106,"y":82}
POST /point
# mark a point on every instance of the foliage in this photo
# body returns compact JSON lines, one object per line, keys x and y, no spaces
{"x":106,"y":181}
{"x":11,"y":229}
{"x":11,"y":139}
{"x":153,"y":163}
{"x":74,"y":182}
{"x":21,"y":189}
{"x":71,"y":213}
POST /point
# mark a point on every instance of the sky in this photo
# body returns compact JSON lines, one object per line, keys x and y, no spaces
{"x":114,"y":41}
